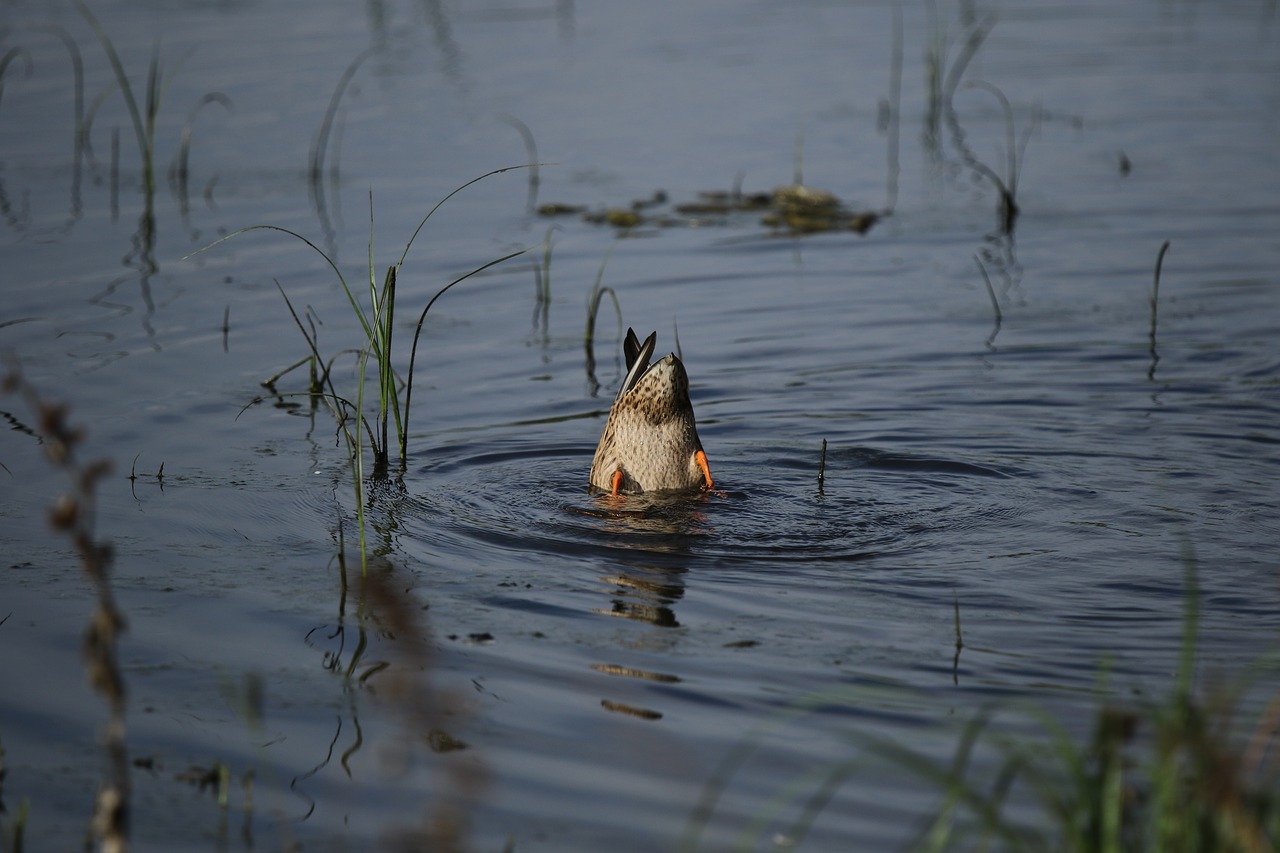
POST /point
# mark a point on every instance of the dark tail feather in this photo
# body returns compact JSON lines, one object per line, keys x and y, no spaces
{"x":638,"y":356}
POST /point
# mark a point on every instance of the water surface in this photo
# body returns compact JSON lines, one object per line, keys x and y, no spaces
{"x":1048,"y":473}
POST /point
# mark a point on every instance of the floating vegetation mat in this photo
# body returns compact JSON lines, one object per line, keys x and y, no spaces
{"x":793,"y":209}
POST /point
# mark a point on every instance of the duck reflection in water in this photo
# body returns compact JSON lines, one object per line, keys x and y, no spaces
{"x":646,"y":594}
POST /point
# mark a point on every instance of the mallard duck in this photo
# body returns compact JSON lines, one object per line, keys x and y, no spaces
{"x":650,"y":441}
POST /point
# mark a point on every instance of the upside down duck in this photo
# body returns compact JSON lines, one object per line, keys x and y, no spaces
{"x":650,"y":442}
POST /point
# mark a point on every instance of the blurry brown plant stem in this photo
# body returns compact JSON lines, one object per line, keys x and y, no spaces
{"x":425,"y":712}
{"x":74,"y":514}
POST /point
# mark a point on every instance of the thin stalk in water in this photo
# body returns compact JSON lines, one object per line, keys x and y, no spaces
{"x":594,"y":298}
{"x":531,"y":151}
{"x":1155,"y":302}
{"x":822,"y":466}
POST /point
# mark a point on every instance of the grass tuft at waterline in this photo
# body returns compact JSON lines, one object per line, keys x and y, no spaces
{"x":376,"y":319}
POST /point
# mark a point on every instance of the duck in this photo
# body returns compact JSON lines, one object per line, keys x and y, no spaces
{"x":650,"y":442}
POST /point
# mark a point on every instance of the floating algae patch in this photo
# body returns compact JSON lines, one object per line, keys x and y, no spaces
{"x":793,"y":210}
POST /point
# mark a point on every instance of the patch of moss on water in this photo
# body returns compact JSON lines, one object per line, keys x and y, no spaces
{"x":792,"y":210}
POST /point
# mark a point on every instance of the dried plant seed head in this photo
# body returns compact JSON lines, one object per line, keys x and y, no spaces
{"x":86,"y":548}
{"x":109,"y":818}
{"x":57,"y":450}
{"x":105,"y":623}
{"x":64,"y":512}
{"x":52,"y":418}
{"x":94,"y":472}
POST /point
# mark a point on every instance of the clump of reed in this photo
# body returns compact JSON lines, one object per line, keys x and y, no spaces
{"x":1172,"y":774}
{"x":143,"y":110}
{"x":1014,"y":155}
{"x":369,"y":428}
{"x":943,"y":76}
{"x":142,"y":115}
{"x":74,"y":514}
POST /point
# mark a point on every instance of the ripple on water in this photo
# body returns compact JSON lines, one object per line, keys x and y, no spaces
{"x":768,"y":507}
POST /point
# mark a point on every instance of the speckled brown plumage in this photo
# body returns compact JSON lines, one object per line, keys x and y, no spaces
{"x":651,"y":438}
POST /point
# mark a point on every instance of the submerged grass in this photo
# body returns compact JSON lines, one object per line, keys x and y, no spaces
{"x":1169,"y":775}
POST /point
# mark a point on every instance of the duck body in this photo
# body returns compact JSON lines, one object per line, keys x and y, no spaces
{"x":650,"y":442}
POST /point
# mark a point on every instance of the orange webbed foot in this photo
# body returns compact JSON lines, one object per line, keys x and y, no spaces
{"x":701,"y":459}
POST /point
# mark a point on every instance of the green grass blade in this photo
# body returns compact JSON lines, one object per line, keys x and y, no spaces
{"x":413,"y":350}
{"x":360,"y":314}
{"x":135,"y":114}
{"x":594,"y":299}
{"x":319,"y":148}
{"x":389,"y":376}
{"x":438,"y":204}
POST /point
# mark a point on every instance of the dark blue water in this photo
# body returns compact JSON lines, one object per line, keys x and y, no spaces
{"x":1041,"y":479}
